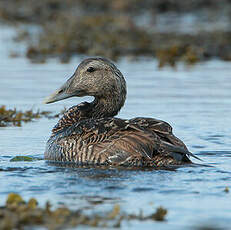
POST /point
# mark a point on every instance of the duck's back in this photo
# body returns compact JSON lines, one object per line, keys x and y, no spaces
{"x":113,"y":141}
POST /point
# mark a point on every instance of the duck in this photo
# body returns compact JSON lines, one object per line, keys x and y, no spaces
{"x":90,"y":133}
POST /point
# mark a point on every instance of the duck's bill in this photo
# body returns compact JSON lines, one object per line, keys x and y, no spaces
{"x":66,"y":91}
{"x":62,"y":93}
{"x":56,"y":96}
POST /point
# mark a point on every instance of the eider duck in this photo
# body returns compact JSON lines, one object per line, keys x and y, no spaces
{"x":90,"y":134}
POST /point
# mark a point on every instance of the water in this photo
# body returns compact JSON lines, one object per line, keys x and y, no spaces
{"x":195,"y":101}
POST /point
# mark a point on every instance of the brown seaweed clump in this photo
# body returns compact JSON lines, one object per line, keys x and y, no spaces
{"x":17,"y":214}
{"x":97,"y":35}
{"x":173,"y":54}
{"x":226,"y":190}
{"x":12,"y":117}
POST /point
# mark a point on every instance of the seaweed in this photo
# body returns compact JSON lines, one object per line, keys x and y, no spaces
{"x":17,"y":214}
{"x":13,"y":117}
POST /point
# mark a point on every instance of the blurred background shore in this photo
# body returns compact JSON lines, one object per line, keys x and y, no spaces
{"x":170,"y":30}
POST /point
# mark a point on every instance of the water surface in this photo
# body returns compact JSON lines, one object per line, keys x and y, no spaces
{"x":195,"y":101}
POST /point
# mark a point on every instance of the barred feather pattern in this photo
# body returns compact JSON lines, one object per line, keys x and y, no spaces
{"x":113,"y":141}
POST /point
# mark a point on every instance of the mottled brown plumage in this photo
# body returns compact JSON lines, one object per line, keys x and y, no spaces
{"x":89,"y":134}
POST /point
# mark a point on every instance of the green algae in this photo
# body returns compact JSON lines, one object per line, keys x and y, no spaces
{"x":19,"y":214}
{"x":23,"y":158}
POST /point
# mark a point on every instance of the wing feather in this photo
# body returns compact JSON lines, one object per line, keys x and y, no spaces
{"x":121,"y":142}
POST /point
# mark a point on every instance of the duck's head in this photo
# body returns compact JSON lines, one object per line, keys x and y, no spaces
{"x":96,"y":77}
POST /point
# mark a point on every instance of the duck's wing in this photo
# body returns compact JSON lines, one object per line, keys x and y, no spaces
{"x":136,"y":142}
{"x":101,"y":141}
{"x":170,"y":143}
{"x":161,"y":128}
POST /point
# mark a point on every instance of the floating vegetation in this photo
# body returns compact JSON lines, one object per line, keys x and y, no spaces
{"x":17,"y":214}
{"x":159,"y":214}
{"x":185,"y":53}
{"x":13,"y":117}
{"x":24,"y":158}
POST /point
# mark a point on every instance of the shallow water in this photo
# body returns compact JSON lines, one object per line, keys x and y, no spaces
{"x":195,"y":101}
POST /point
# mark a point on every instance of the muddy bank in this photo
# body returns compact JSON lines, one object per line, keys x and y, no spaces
{"x":117,"y":28}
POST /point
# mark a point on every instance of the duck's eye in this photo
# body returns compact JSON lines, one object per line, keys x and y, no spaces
{"x":61,"y":91}
{"x":91,"y":69}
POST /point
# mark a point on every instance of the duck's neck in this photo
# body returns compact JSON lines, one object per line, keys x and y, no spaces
{"x":106,"y":106}
{"x":101,"y":107}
